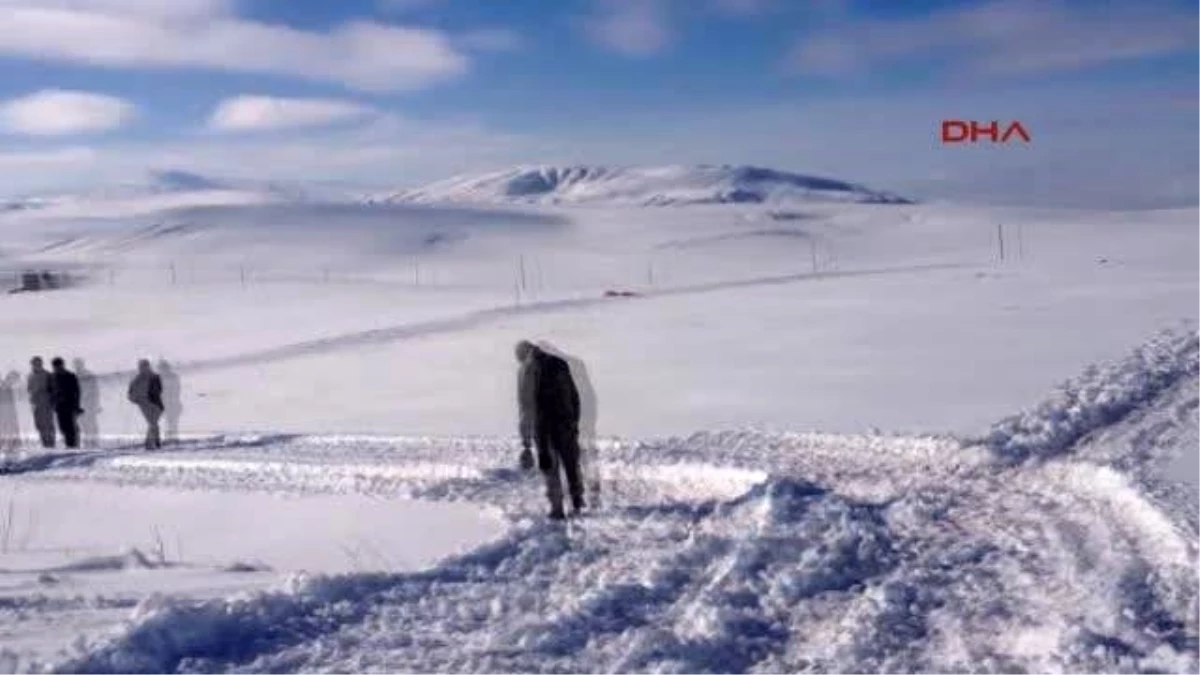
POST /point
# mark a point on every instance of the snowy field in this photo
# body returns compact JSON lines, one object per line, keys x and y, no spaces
{"x":828,"y":437}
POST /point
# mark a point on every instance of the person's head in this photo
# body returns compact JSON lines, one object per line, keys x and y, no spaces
{"x":143,"y":365}
{"x":36,"y":363}
{"x":57,"y":363}
{"x":525,"y":350}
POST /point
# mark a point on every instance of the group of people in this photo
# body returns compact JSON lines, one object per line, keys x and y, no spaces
{"x":56,"y":398}
{"x":549,"y":412}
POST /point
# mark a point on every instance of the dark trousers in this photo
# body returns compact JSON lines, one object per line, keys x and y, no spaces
{"x":558,"y":453}
{"x":68,"y":425}
{"x":153,"y":414}
{"x":43,"y":419}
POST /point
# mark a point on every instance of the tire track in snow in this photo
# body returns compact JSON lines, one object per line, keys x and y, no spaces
{"x":484,"y":317}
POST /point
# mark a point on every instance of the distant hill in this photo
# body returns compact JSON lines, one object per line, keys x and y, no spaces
{"x":643,"y":185}
{"x":161,"y":189}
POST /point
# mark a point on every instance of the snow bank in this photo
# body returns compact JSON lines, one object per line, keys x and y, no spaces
{"x":1098,"y":398}
{"x":166,"y":635}
{"x":796,"y":542}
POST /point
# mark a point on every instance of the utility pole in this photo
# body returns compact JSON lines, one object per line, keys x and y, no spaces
{"x":1000,"y":239}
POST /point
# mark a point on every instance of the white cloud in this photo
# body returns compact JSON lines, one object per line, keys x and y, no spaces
{"x":266,"y":113}
{"x":1001,"y":37}
{"x":124,"y":33}
{"x":56,"y":112}
{"x":144,"y":8}
{"x":55,"y":159}
{"x":632,"y":28}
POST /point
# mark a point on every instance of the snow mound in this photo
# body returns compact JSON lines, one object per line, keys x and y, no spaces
{"x":642,"y":186}
{"x":1100,"y":397}
{"x":803,"y":542}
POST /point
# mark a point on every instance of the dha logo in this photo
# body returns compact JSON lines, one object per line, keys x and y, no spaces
{"x":970,"y":131}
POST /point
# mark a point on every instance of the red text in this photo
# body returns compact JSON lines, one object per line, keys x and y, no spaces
{"x":971,"y":131}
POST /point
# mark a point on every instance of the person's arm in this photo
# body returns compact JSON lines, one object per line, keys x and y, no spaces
{"x":526,"y":402}
{"x":573,"y":398}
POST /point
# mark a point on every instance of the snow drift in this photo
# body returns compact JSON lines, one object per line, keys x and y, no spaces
{"x":645,"y":186}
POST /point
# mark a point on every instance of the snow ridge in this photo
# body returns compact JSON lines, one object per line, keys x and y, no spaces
{"x":1100,"y":397}
{"x":641,"y":186}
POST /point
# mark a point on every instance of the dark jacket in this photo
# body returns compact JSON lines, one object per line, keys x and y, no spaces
{"x":146,"y":388}
{"x":64,"y":390}
{"x":547,"y":394}
{"x":155,"y":391}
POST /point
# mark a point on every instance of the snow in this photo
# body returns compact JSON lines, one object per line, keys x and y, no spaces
{"x":87,"y":554}
{"x":848,"y":554}
{"x":640,"y":185}
{"x":815,"y":441}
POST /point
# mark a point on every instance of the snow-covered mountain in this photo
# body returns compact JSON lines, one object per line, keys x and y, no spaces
{"x":159,"y":190}
{"x":177,"y":181}
{"x":159,"y":182}
{"x":643,"y":185}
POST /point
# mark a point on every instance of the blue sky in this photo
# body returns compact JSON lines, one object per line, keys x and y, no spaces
{"x":398,"y":92}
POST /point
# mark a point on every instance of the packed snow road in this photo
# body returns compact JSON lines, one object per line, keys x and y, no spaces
{"x":1061,"y":540}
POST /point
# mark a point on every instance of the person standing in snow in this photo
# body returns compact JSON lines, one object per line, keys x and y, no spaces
{"x":548,"y":407}
{"x":41,"y":399}
{"x":145,"y":391}
{"x":10,"y":425}
{"x":64,"y":392}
